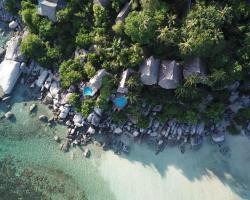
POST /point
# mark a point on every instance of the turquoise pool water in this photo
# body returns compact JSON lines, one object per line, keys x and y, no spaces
{"x":120,"y":102}
{"x":87,"y":91}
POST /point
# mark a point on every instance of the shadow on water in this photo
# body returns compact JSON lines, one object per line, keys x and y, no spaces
{"x":208,"y":161}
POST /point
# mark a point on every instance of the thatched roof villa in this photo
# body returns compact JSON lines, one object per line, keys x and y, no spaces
{"x":103,"y":3}
{"x":122,"y":85}
{"x":169,"y":75}
{"x":194,"y":66}
{"x":95,"y":83}
{"x":124,"y":12}
{"x":149,"y":71}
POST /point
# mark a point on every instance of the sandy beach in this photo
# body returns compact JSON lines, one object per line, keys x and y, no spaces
{"x":205,"y":174}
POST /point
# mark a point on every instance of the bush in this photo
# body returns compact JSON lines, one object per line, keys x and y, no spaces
{"x":215,"y":112}
{"x":242,"y":116}
{"x":119,"y":117}
{"x":143,"y":122}
{"x":118,"y":28}
{"x":105,"y":92}
{"x":233,"y":130}
{"x":12,"y":6}
{"x":74,"y":100}
{"x":87,"y":107}
{"x":33,"y":47}
{"x":31,"y":19}
{"x":70,"y":73}
{"x":89,"y":69}
{"x":140,"y":27}
{"x":84,"y":39}
{"x":100,"y":16}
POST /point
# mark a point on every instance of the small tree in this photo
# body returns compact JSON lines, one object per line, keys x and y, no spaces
{"x":33,"y":47}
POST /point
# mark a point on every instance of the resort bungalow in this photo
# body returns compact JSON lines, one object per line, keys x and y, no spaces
{"x":149,"y":71}
{"x":122,"y":86}
{"x":194,"y":67}
{"x":124,"y":12}
{"x":169,"y":75}
{"x":120,"y":101}
{"x":103,"y":3}
{"x":48,"y":8}
{"x":94,"y":83}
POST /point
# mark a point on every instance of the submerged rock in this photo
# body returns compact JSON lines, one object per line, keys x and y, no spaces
{"x":33,"y":107}
{"x":9,"y":115}
{"x":56,"y":138}
{"x":43,"y":118}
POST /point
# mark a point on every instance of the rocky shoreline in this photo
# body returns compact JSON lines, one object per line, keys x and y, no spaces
{"x":98,"y":126}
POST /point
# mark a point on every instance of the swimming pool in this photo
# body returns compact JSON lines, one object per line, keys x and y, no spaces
{"x":120,"y":102}
{"x":87,"y":91}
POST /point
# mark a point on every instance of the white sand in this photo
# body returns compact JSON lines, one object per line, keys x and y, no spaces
{"x":205,"y":174}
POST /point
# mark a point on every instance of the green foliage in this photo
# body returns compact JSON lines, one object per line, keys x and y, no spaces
{"x":12,"y":6}
{"x":169,"y":33}
{"x":141,"y":27}
{"x":134,"y":88}
{"x":119,"y":117}
{"x":31,"y":19}
{"x":105,"y":92}
{"x":33,"y":47}
{"x":74,"y":100}
{"x":89,"y":69}
{"x":190,"y":116}
{"x":170,"y":111}
{"x":84,"y":39}
{"x":46,"y":30}
{"x":215,"y":112}
{"x":70,"y":73}
{"x":242,"y":116}
{"x":100,"y":16}
{"x":143,"y":122}
{"x":233,"y":130}
{"x":202,"y":31}
{"x":87,"y":107}
{"x":118,"y":28}
{"x":119,"y":56}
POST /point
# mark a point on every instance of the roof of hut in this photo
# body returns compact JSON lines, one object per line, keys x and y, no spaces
{"x":48,"y":8}
{"x":149,"y":71}
{"x":103,"y":3}
{"x":194,"y":67}
{"x":125,"y":75}
{"x":95,"y":82}
{"x":169,"y":75}
{"x":124,"y":12}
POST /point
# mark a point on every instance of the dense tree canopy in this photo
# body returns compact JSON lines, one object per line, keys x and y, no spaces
{"x":216,"y":31}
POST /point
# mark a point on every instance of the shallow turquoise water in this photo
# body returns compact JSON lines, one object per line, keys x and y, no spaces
{"x":30,"y":145}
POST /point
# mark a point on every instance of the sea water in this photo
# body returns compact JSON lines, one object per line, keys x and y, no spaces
{"x":33,"y":167}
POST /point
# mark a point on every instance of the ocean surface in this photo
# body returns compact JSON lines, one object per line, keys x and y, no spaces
{"x":32,"y":167}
